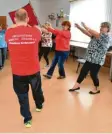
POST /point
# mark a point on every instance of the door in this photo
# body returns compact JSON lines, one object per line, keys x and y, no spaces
{"x":3,"y":22}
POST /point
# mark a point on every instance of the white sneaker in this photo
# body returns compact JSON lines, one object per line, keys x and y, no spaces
{"x":38,"y":110}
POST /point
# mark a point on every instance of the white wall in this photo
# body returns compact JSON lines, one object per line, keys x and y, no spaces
{"x":52,"y":6}
{"x":10,"y":5}
{"x":109,"y":10}
{"x":92,"y":12}
{"x":42,"y":7}
{"x":36,"y":7}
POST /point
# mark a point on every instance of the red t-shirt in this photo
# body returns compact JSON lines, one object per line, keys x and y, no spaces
{"x":62,"y":39}
{"x":23,"y":49}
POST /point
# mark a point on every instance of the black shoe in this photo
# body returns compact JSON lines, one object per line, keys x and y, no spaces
{"x":93,"y":93}
{"x":47,"y":76}
{"x":72,"y":90}
{"x":61,"y":77}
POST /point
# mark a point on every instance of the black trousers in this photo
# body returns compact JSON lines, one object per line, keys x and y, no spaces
{"x":93,"y":69}
{"x":44,"y":51}
{"x":21,"y":88}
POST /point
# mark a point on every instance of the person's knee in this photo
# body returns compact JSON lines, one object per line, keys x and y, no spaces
{"x":83,"y":72}
{"x":60,"y":64}
{"x":22,"y":98}
{"x":40,"y":54}
{"x":45,"y":56}
{"x":94,"y":77}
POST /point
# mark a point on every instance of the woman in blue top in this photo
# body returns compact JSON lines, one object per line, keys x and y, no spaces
{"x":95,"y":56}
{"x":3,"y":48}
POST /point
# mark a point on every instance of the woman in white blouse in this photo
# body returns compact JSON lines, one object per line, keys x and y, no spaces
{"x":46,"y":44}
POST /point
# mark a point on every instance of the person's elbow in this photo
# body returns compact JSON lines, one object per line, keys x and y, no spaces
{"x":97,"y":36}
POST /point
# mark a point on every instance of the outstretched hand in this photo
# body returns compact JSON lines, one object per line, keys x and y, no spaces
{"x":83,"y":24}
{"x":44,"y":30}
{"x":77,"y":25}
{"x":45,"y":26}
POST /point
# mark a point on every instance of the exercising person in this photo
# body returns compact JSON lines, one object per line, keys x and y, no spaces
{"x":46,"y":44}
{"x":22,"y":41}
{"x":61,"y":50}
{"x":3,"y":48}
{"x":95,"y":56}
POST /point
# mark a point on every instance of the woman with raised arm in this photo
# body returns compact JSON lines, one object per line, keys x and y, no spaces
{"x":95,"y":56}
{"x":46,"y":44}
{"x":62,"y":49}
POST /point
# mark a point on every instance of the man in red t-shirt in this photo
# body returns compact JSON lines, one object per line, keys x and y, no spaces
{"x":22,"y":41}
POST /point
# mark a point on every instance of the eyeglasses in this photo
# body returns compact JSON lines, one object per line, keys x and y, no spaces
{"x":103,"y":26}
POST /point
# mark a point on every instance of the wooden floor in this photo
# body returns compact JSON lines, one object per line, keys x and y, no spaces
{"x":63,"y":111}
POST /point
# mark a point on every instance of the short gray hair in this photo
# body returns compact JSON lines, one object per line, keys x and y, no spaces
{"x":106,"y":24}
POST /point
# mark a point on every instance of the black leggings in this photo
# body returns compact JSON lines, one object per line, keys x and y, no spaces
{"x":44,"y":51}
{"x":93,"y":69}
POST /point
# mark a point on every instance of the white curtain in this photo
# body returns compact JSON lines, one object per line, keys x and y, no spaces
{"x":109,"y":10}
{"x":92,"y":12}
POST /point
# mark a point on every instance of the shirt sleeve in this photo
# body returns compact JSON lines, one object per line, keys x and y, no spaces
{"x":65,"y":34}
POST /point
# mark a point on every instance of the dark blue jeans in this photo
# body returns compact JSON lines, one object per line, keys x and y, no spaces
{"x":3,"y":56}
{"x":21,"y":88}
{"x":60,"y":58}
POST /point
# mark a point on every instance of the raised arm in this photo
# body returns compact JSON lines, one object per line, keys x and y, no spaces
{"x":91,"y":31}
{"x":83,"y":30}
{"x":63,"y":33}
{"x":56,"y":32}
